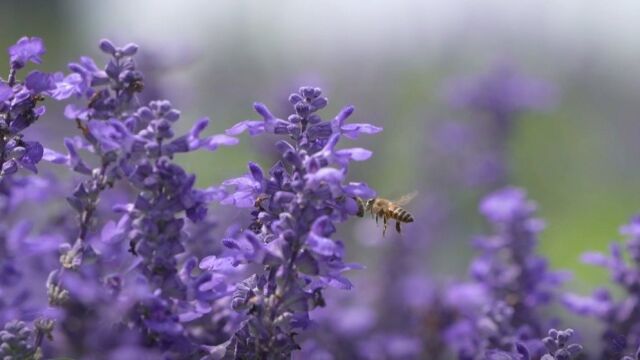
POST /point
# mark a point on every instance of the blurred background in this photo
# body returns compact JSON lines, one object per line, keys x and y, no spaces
{"x":402,"y":64}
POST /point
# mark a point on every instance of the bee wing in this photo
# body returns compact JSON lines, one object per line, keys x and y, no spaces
{"x":404,"y":200}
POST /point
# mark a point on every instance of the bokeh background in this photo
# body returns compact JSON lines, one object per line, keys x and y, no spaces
{"x":577,"y":157}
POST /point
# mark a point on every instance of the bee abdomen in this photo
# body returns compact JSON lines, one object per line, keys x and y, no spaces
{"x":402,"y":215}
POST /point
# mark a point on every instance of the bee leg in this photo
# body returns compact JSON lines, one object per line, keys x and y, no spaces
{"x":398,"y":227}
{"x":384,"y":228}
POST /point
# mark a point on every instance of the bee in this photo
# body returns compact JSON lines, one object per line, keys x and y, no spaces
{"x":260,"y":199}
{"x":387,"y":210}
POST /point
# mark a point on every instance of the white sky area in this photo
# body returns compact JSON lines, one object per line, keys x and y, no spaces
{"x":371,"y":26}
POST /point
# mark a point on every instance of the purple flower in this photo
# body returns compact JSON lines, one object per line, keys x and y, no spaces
{"x":65,"y":86}
{"x":351,"y":131}
{"x":19,"y":108}
{"x":491,"y":335}
{"x":247,"y":188}
{"x":25,"y":50}
{"x":635,"y":356}
{"x":515,"y":277}
{"x":506,"y":206}
{"x":5,"y":92}
{"x":297,"y":205}
{"x":39,"y":82}
{"x":19,"y":341}
{"x":620,"y":317}
{"x":159,"y":298}
{"x":494,"y":101}
{"x":391,"y":346}
{"x":522,"y":275}
{"x":557,"y":347}
{"x":502,"y":91}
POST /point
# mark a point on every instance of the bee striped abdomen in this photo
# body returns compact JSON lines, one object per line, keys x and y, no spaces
{"x":402,"y":215}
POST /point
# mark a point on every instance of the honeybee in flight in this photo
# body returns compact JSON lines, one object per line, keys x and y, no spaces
{"x":387,"y":210}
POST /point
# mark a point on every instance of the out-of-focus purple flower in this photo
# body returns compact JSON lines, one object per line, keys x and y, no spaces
{"x":19,"y":271}
{"x":620,"y":316}
{"x":489,"y":336}
{"x":25,"y":50}
{"x":557,"y":347}
{"x":5,"y":91}
{"x":466,"y":297}
{"x":502,"y":91}
{"x":635,"y":356}
{"x":510,"y":270}
{"x":159,"y":299}
{"x":510,"y":205}
{"x":507,"y":264}
{"x":19,"y":108}
{"x":297,"y":204}
{"x":391,"y":346}
{"x":19,"y":341}
{"x":495,"y":100}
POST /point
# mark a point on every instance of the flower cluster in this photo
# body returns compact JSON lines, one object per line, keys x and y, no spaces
{"x":134,"y":146}
{"x":621,"y":317}
{"x":19,"y":109}
{"x":19,"y":341}
{"x":515,"y":277}
{"x":297,"y":206}
{"x":495,"y":100}
{"x":635,"y":356}
{"x":557,"y":347}
{"x":508,"y":265}
{"x":25,"y":251}
{"x":502,"y":92}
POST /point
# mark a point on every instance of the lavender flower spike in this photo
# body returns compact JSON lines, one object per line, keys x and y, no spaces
{"x":508,"y":265}
{"x":517,"y":280}
{"x":135,"y":145}
{"x":635,"y":356}
{"x":620,"y":317}
{"x":20,"y":108}
{"x":556,"y":344}
{"x":298,"y":204}
{"x":25,"y":50}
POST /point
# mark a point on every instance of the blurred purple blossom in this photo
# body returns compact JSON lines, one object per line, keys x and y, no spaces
{"x":620,"y":316}
{"x":495,"y":100}
{"x":25,"y":50}
{"x":557,"y":347}
{"x":19,"y":108}
{"x":503,"y":92}
{"x":158,"y":298}
{"x":517,"y":279}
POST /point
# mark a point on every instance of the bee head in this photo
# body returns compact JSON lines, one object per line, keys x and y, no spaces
{"x":369,"y":204}
{"x":360,"y":203}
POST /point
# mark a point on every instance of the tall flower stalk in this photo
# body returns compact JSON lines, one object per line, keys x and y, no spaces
{"x":19,"y":109}
{"x":297,"y":206}
{"x":134,"y":145}
{"x":496,"y":99}
{"x":517,"y":280}
{"x":621,"y":317}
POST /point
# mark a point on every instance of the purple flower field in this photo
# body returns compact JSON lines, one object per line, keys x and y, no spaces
{"x":131,"y":229}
